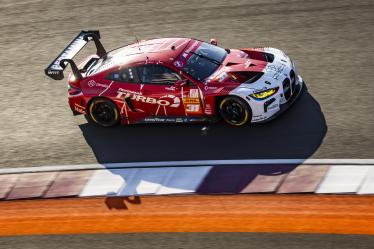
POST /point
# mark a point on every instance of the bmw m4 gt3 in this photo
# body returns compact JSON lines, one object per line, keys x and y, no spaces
{"x":177,"y":80}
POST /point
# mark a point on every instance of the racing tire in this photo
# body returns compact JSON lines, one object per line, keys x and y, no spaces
{"x":235,"y":111}
{"x":103,"y":112}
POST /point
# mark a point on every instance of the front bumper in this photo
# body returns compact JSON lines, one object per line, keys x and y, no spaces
{"x":283,"y":107}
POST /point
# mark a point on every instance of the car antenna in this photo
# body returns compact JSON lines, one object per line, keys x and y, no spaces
{"x":138,"y":43}
{"x":137,"y":40}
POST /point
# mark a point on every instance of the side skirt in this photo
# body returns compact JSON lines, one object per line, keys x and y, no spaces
{"x":181,"y":120}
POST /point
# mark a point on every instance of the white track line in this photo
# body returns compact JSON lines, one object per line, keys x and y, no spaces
{"x":249,"y":162}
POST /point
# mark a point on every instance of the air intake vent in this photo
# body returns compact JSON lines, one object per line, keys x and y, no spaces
{"x":269,"y":57}
{"x":248,"y":77}
{"x":293,"y":80}
{"x":260,"y":55}
{"x":287,"y":89}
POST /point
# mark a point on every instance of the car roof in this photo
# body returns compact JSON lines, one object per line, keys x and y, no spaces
{"x":160,"y":50}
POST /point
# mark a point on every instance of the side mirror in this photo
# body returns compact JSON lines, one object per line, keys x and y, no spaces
{"x":213,"y":41}
{"x":180,"y":83}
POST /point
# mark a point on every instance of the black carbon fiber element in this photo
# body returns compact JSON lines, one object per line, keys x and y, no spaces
{"x":267,"y":103}
{"x":287,"y":89}
{"x":293,"y":80}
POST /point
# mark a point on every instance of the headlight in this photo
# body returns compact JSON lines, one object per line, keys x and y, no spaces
{"x":264,"y":94}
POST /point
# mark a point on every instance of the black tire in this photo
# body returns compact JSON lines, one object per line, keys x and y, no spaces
{"x":235,"y":111}
{"x":103,"y":112}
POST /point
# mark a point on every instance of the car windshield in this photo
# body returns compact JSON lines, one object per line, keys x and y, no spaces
{"x":204,"y":61}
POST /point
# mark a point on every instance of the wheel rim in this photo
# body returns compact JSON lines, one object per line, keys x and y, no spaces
{"x":233,"y":112}
{"x":103,"y":113}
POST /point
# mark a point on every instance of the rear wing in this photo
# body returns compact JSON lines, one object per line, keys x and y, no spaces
{"x":55,"y":70}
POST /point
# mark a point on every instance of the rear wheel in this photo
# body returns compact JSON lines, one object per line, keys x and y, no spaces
{"x":103,"y":112}
{"x":235,"y":111}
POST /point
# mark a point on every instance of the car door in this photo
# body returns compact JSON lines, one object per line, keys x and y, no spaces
{"x":192,"y":100}
{"x":161,"y":97}
{"x":124,"y":90}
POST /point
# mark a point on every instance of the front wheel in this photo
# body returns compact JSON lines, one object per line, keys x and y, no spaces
{"x":103,"y":112}
{"x":235,"y":111}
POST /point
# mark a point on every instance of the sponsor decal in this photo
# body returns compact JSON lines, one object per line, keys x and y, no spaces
{"x":180,"y":61}
{"x":172,"y":120}
{"x":258,"y":118}
{"x":222,"y":77}
{"x":170,"y":88}
{"x":276,"y":76}
{"x":67,"y":52}
{"x":155,"y":119}
{"x":178,"y":64}
{"x":167,"y":100}
{"x":191,"y":101}
{"x":93,"y":83}
{"x":52,"y":72}
{"x":79,"y":108}
{"x":194,"y":93}
{"x":275,"y":106}
{"x":214,"y":75}
{"x":207,"y":88}
{"x":276,"y":69}
{"x":175,"y":100}
{"x":193,"y":46}
{"x":208,"y":109}
{"x":271,"y":67}
{"x":219,"y":90}
{"x":161,"y":120}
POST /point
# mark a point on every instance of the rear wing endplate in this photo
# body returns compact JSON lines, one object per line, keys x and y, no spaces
{"x":55,"y":70}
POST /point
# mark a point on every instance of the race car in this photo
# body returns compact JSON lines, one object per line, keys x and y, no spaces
{"x":177,"y":80}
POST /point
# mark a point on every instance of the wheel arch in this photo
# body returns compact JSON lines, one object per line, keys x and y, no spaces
{"x":88,"y":109}
{"x":219,"y":99}
{"x":237,"y":96}
{"x":99,"y":97}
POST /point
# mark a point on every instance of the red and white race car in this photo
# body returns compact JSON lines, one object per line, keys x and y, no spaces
{"x":177,"y":80}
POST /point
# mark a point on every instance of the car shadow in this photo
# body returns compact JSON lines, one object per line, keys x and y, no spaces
{"x":119,"y":203}
{"x":235,"y":178}
{"x":295,"y":134}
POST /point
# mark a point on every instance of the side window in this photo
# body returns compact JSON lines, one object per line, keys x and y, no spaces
{"x":124,"y":75}
{"x":157,"y":74}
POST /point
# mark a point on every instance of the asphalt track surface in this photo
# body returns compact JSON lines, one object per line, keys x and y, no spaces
{"x":330,"y":42}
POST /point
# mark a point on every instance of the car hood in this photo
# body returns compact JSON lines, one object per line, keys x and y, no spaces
{"x":252,"y":68}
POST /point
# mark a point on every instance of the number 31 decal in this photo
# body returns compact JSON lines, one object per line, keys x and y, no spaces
{"x":193,"y":108}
